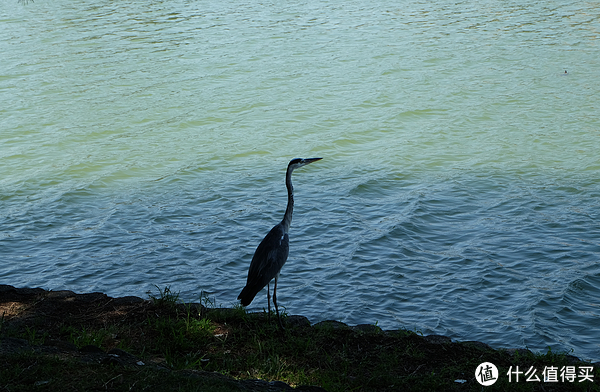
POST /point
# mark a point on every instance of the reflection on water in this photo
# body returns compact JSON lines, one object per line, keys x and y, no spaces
{"x":146,"y":144}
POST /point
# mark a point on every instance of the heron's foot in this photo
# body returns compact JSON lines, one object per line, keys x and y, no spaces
{"x":280,"y":324}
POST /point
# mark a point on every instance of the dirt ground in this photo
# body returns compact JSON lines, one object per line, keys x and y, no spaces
{"x":44,"y":322}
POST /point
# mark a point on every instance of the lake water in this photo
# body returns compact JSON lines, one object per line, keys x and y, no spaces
{"x":145,"y":144}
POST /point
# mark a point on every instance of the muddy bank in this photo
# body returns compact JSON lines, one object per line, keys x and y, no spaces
{"x":93,"y":329}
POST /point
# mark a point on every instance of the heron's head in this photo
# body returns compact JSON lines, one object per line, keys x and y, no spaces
{"x":299,"y":162}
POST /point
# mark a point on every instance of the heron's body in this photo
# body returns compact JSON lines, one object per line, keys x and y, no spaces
{"x":273,"y":250}
{"x":270,"y":256}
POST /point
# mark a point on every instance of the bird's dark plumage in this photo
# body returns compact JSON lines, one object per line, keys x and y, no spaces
{"x":274,"y":257}
{"x":273,"y":250}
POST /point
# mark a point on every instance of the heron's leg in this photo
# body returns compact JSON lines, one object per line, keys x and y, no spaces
{"x":275,"y":301}
{"x":269,"y":301}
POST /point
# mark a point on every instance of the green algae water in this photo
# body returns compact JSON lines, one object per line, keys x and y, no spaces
{"x":145,"y":144}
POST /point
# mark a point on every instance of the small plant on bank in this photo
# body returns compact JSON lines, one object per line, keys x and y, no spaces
{"x":81,"y":337}
{"x":34,"y":337}
{"x":182,"y":334}
{"x":166,"y":298}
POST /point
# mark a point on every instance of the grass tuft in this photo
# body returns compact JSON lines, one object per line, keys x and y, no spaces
{"x":165,"y":299}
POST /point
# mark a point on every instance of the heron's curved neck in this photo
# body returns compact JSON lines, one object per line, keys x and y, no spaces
{"x":287,"y":218}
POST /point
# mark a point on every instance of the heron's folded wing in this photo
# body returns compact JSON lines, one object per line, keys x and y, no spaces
{"x":270,"y":256}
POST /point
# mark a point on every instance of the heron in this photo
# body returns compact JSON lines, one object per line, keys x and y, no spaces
{"x":272,"y":252}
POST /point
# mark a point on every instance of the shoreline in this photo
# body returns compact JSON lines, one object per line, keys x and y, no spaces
{"x":127,"y":329}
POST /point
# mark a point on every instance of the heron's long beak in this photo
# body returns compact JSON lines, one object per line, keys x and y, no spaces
{"x":311,"y":160}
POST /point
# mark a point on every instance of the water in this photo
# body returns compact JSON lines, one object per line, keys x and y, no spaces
{"x":145,"y":144}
